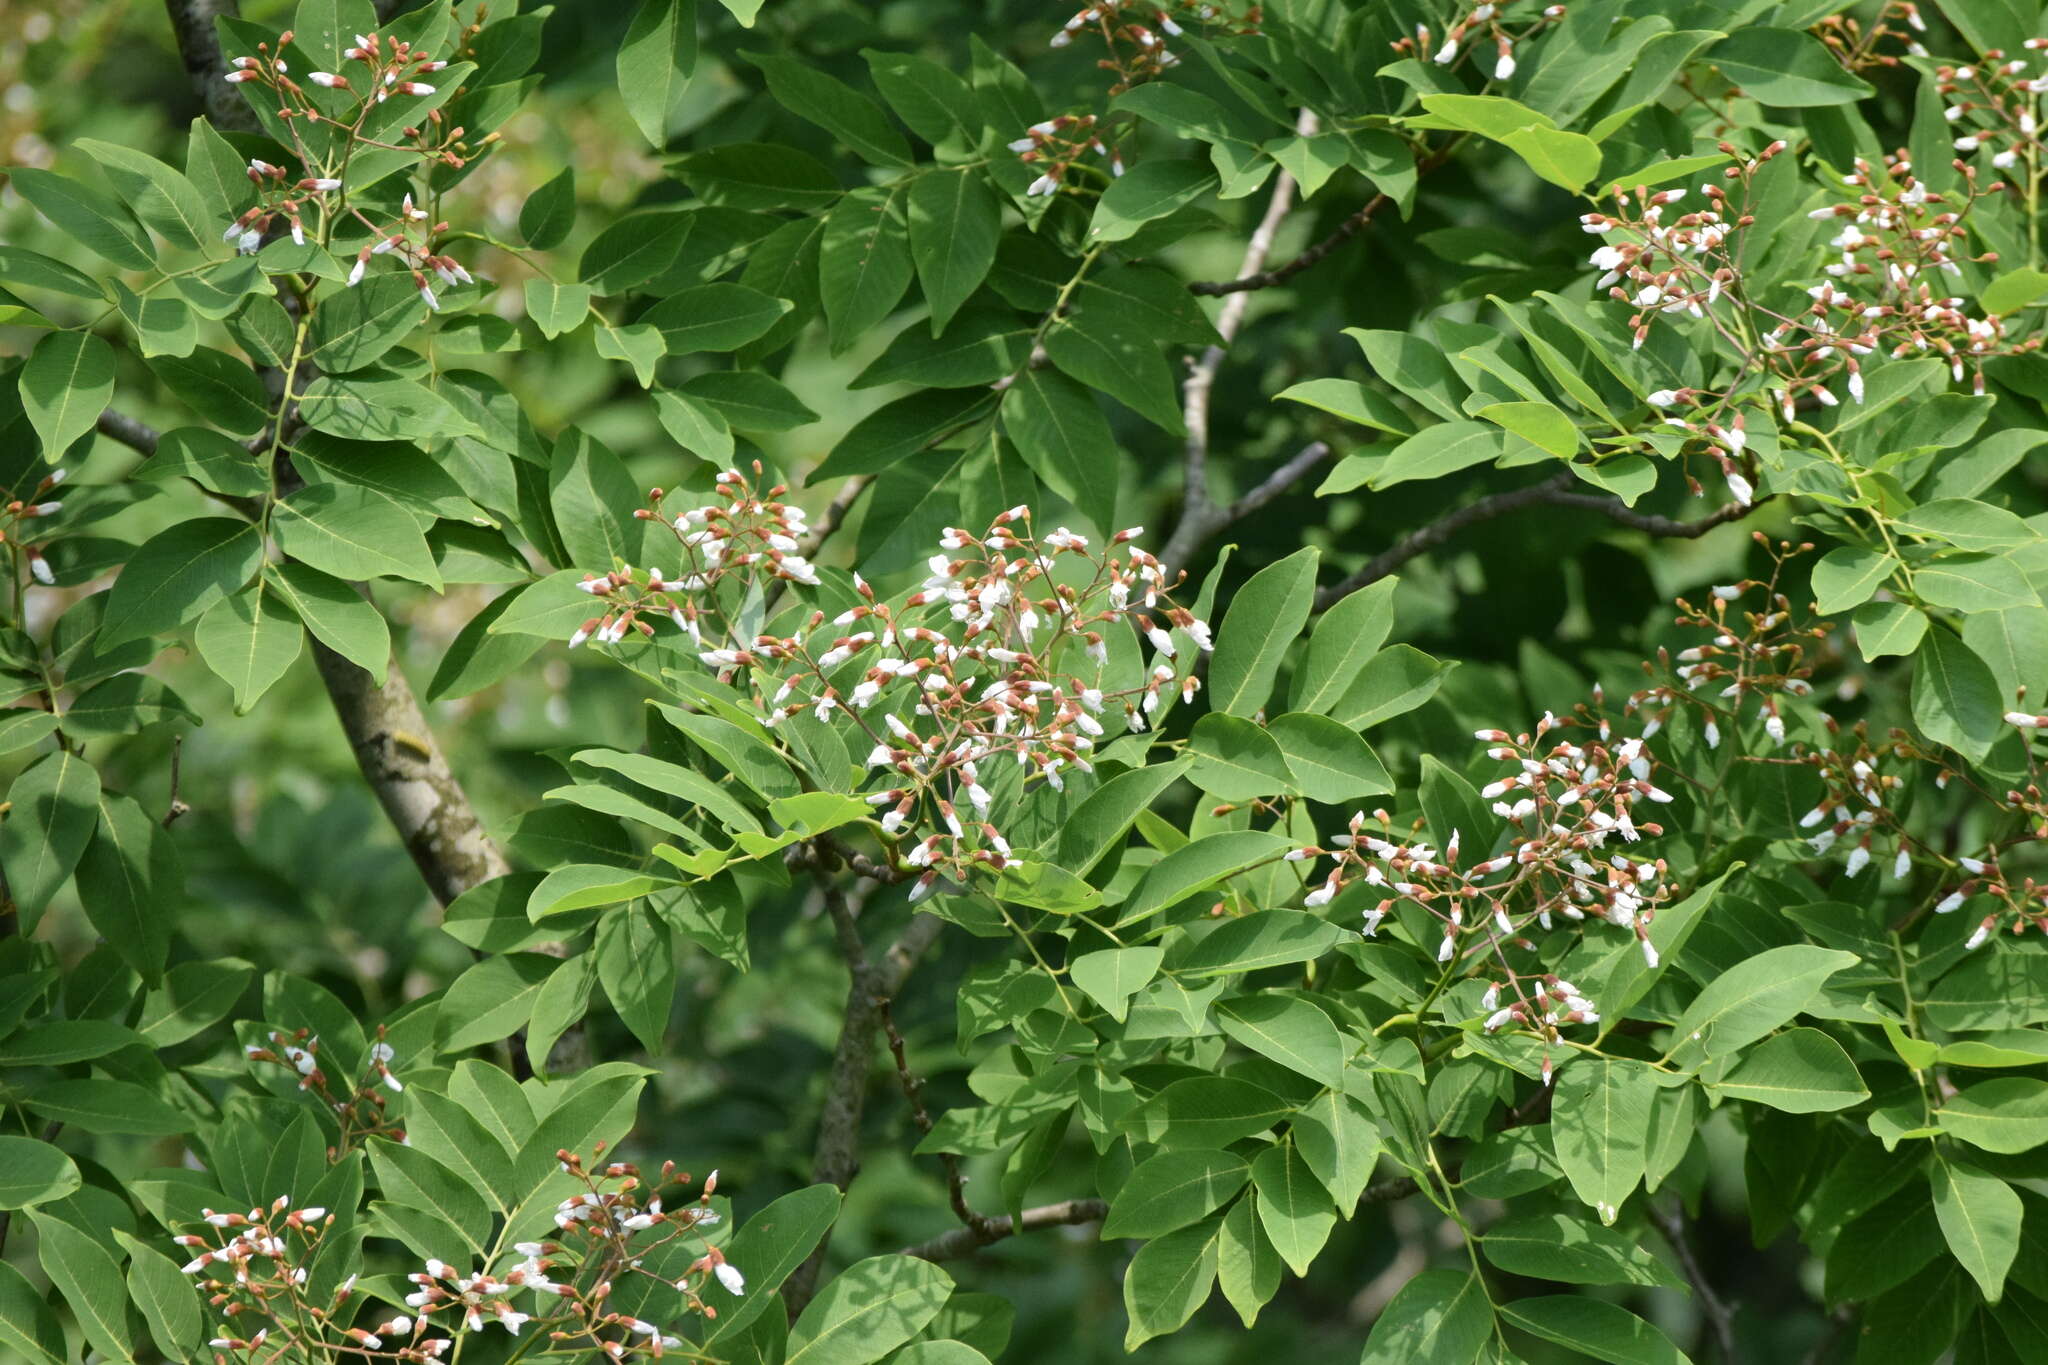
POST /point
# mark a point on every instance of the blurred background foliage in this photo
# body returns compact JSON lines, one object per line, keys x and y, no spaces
{"x":291,"y":864}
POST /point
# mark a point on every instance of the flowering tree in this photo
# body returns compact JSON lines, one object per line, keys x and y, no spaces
{"x":877,"y":811}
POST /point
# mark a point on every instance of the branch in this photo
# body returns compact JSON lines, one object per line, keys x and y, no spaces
{"x":192,"y":24}
{"x":1719,"y":1315}
{"x":405,"y":767}
{"x":1552,"y":492}
{"x":836,"y":1156}
{"x":1252,"y":278}
{"x":137,"y":436}
{"x":960,"y":1242}
{"x":913,"y":1091}
{"x":1200,"y":518}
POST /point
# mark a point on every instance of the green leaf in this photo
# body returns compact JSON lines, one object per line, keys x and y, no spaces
{"x":955,"y":220}
{"x":1352,"y":401}
{"x":1264,"y":618}
{"x":1340,"y":1139}
{"x":1172,"y":1190}
{"x":851,"y":117}
{"x":1063,"y":436}
{"x":656,"y":59}
{"x":107,"y":1107}
{"x":1247,"y":1266}
{"x":1150,"y":190}
{"x":27,"y":1326}
{"x":213,"y":461}
{"x":1168,"y":1280}
{"x":34,"y":1172}
{"x":1600,"y":1127}
{"x":220,"y":388}
{"x":1265,"y":938}
{"x":375,"y":407}
{"x":90,"y":1281}
{"x":636,"y":960}
{"x":1106,"y":351}
{"x":1205,"y":1112}
{"x":864,"y":262}
{"x":354,"y":327}
{"x":192,"y":997}
{"x":1199,"y":866}
{"x":714,"y":317}
{"x":1102,"y":819}
{"x":868,"y":1310}
{"x":129,"y":883}
{"x":1289,"y":1031}
{"x":1393,"y":682}
{"x":249,"y":640}
{"x":1293,"y":1207}
{"x":1330,"y":763}
{"x":1566,"y":1248}
{"x":65,"y":386}
{"x":92,"y":218}
{"x":548,"y":214}
{"x":1786,"y":68}
{"x":53,"y":809}
{"x":58,"y":1042}
{"x":1111,"y":976}
{"x":769,"y":1246}
{"x":1980,"y":1219}
{"x":1440,"y":1316}
{"x":491,"y":1000}
{"x":338,"y":616}
{"x":1955,"y":697}
{"x":936,"y":104}
{"x":2006,"y":1115}
{"x":20,"y":267}
{"x":354,"y":532}
{"x":1846,"y":576}
{"x":1801,"y":1071}
{"x":1753,"y":998}
{"x":1888,"y":628}
{"x":1594,"y":1328}
{"x":1344,"y":639}
{"x":1567,"y":160}
{"x":179,"y":573}
{"x":1235,"y":759}
{"x":672,"y":779}
{"x":165,"y":1296}
{"x":1440,"y":450}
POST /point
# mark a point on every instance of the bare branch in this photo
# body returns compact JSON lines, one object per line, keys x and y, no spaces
{"x":137,"y":436}
{"x":405,"y":768}
{"x":1200,"y":518}
{"x":913,"y":1091}
{"x":1720,"y":1316}
{"x":835,"y":1158}
{"x":1552,"y":492}
{"x":948,"y":1246}
{"x":192,"y":24}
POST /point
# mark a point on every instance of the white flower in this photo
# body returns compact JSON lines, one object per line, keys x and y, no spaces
{"x":1448,"y":53}
{"x":1950,"y":903}
{"x":1504,"y":69}
{"x":729,"y":1276}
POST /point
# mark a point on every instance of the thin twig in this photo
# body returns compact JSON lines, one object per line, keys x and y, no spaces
{"x":913,"y":1091}
{"x":948,"y":1246}
{"x":1551,"y":492}
{"x":1248,"y":280}
{"x":1720,"y":1317}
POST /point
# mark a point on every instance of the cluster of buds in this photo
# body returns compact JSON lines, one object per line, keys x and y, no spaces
{"x":16,"y":512}
{"x":255,"y":1267}
{"x":1855,"y":43}
{"x":1994,"y":104}
{"x":725,"y":548}
{"x":1573,"y":787}
{"x":280,"y":197}
{"x":359,"y":1108}
{"x":1056,"y":144}
{"x":1753,"y":655}
{"x":1135,"y":33}
{"x":1483,"y":30}
{"x":994,"y":665}
{"x":387,"y":68}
